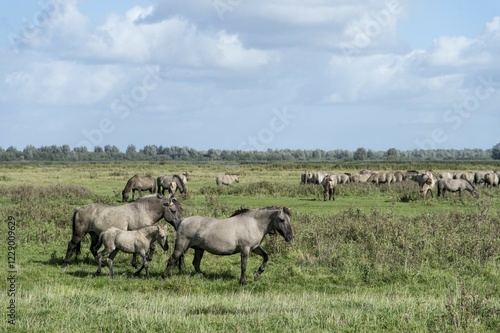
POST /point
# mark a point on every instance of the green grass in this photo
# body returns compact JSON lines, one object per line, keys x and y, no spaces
{"x":377,"y":259}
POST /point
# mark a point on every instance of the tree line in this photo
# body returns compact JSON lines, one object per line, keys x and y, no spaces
{"x":161,"y":153}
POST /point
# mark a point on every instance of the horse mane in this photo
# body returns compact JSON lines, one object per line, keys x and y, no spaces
{"x":180,"y":180}
{"x":242,"y":210}
{"x":128,"y":186}
{"x":177,"y":204}
{"x":286,"y":210}
{"x":470,"y":183}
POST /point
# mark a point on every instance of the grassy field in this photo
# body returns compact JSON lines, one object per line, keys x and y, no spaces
{"x":377,"y":259}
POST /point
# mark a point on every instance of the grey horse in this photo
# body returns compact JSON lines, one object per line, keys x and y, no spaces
{"x":165,"y":183}
{"x":241,"y":233}
{"x":96,"y":218}
{"x":227,"y":179}
{"x":456,"y":185}
{"x":134,"y":241}
{"x":329,"y":184}
{"x":138,"y":183}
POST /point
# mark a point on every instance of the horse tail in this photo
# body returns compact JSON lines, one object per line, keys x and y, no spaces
{"x":78,"y":246}
{"x":155,"y":185}
{"x":158,"y":184}
{"x":99,"y":243}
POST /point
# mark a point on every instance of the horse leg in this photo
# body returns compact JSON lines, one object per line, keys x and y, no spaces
{"x":98,"y":259}
{"x":94,"y":239}
{"x":110,"y":259}
{"x":99,"y":264}
{"x":198,"y":254}
{"x":144,"y":265}
{"x":151,"y":251}
{"x":258,"y":250}
{"x":244,"y":261}
{"x":72,"y":244}
{"x":134,"y":260}
{"x":180,"y":247}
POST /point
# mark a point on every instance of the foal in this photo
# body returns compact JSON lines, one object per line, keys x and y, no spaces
{"x":130,"y":241}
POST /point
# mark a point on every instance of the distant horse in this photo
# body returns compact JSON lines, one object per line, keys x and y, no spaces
{"x":426,"y":182}
{"x":306,"y":177}
{"x":241,"y":233}
{"x":137,"y":241}
{"x":491,"y":179}
{"x":382,"y":178}
{"x":329,"y":183}
{"x":165,"y":183}
{"x":456,"y":185}
{"x":227,"y":179}
{"x":96,"y":218}
{"x":138,"y":183}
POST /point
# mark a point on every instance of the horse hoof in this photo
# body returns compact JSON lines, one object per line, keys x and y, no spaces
{"x":256,"y":276}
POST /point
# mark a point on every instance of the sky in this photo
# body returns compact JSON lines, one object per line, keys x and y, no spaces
{"x":251,"y":75}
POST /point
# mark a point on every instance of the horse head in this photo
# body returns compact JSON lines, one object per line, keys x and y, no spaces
{"x":125,"y":196}
{"x":172,"y":209}
{"x":161,"y":238}
{"x":281,"y":223}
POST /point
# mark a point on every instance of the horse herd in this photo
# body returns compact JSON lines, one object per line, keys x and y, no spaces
{"x":428,"y":182}
{"x":132,"y":228}
{"x":172,"y":184}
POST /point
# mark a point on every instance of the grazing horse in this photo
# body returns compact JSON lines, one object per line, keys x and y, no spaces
{"x":138,"y":183}
{"x":166,"y":183}
{"x":329,"y":183}
{"x":137,"y":241}
{"x":241,"y":233}
{"x":381,"y":178}
{"x":456,"y":185}
{"x":96,"y":218}
{"x":227,"y":179}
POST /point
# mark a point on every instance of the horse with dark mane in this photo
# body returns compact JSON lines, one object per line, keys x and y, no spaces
{"x":241,"y":233}
{"x":138,"y":183}
{"x":456,"y":185}
{"x":167,"y":183}
{"x":96,"y":218}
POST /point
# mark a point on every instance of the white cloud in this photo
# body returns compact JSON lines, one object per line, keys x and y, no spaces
{"x":262,"y":55}
{"x":61,"y":83}
{"x":494,"y":25}
{"x":450,"y":51}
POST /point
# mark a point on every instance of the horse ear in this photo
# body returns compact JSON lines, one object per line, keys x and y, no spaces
{"x":281,"y":214}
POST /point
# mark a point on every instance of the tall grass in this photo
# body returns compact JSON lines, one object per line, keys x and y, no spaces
{"x":362,"y":268}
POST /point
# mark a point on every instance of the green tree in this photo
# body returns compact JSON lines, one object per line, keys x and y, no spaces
{"x":495,"y":152}
{"x":360,"y":154}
